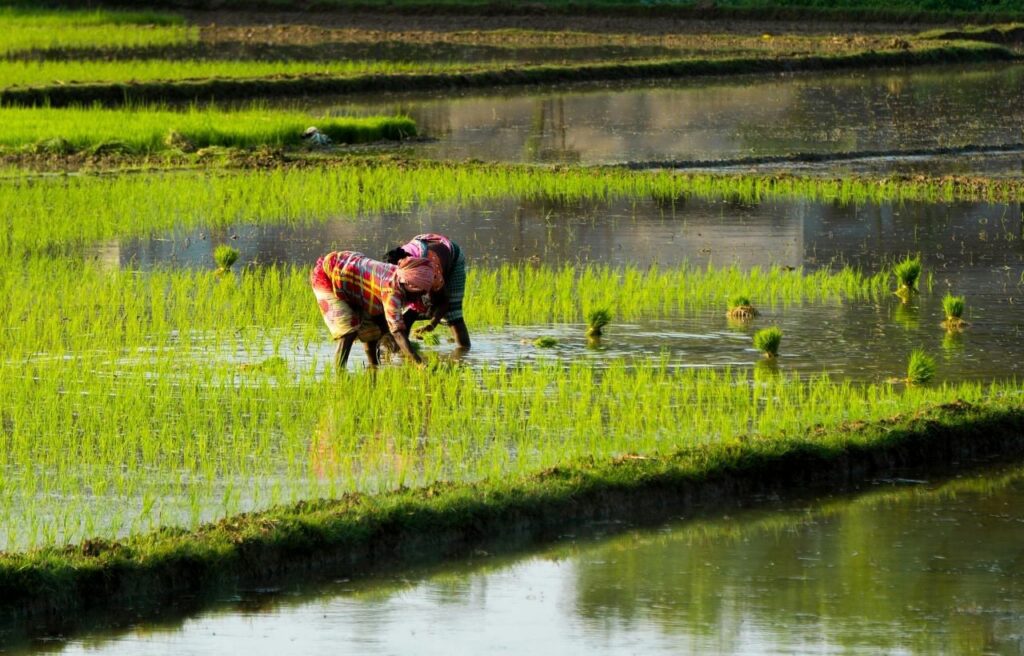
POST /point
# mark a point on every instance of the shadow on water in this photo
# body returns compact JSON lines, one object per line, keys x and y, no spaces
{"x":902,"y":564}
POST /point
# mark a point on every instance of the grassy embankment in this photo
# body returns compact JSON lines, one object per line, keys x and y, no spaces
{"x":144,"y":131}
{"x":862,"y":10}
{"x":358,"y":532}
{"x":476,"y":76}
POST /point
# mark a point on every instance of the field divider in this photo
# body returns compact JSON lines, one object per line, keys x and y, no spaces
{"x":358,"y":533}
{"x":121,"y":93}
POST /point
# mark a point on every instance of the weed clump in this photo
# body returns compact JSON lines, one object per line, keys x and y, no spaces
{"x":740,"y":307}
{"x":907,"y":272}
{"x":768,"y":340}
{"x":596,"y":321}
{"x":225,"y":256}
{"x":920,"y":368}
{"x":953,"y":306}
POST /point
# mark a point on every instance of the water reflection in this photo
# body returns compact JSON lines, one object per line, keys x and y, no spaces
{"x":721,"y":118}
{"x":909,"y":568}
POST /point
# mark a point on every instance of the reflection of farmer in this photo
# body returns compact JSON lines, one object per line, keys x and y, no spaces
{"x":354,"y":293}
{"x":446,"y":297}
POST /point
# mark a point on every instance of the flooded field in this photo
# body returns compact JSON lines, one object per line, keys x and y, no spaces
{"x":728,"y":118}
{"x":971,"y":249}
{"x":905,"y":567}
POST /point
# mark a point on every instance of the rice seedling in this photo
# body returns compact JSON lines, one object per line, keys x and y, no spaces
{"x":225,"y":256}
{"x":597,"y":319}
{"x":920,"y":368}
{"x":35,"y":29}
{"x":741,"y":308}
{"x":431,"y":338}
{"x":146,"y":130}
{"x":953,"y":306}
{"x":907,"y":271}
{"x":767,"y":340}
{"x":43,"y":73}
{"x":545,"y":341}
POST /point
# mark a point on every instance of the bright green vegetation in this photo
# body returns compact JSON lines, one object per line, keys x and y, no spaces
{"x":447,"y":516}
{"x":767,"y":340}
{"x":27,"y":28}
{"x":88,"y":209}
{"x":47,"y":73}
{"x":907,"y":271}
{"x":225,"y":256}
{"x":597,"y":319}
{"x":953,"y":306}
{"x":545,"y":341}
{"x":146,"y":130}
{"x":920,"y":368}
{"x":166,"y":435}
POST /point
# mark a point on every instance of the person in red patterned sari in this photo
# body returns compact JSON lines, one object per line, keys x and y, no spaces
{"x":359,"y":296}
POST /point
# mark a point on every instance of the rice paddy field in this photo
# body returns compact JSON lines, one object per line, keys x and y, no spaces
{"x":618,"y":310}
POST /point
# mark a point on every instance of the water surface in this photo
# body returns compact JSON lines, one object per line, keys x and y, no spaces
{"x":909,"y":567}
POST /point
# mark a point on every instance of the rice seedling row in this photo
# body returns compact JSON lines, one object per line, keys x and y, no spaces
{"x":44,"y":214}
{"x":147,"y":130}
{"x":33,"y":29}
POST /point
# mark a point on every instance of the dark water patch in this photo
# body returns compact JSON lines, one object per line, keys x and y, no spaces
{"x":908,"y":567}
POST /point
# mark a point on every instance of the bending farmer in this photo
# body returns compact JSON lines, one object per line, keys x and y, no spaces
{"x":446,"y":297}
{"x":358,"y":296}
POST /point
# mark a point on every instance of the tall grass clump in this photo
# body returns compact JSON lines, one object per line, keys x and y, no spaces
{"x":907,"y":272}
{"x":920,"y":368}
{"x":953,"y":306}
{"x":741,"y":308}
{"x":225,"y":256}
{"x":768,"y":340}
{"x":597,"y":319}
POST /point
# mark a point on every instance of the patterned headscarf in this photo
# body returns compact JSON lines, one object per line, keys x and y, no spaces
{"x":418,"y":272}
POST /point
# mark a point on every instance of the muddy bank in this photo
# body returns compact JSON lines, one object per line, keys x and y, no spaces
{"x":359,"y":534}
{"x":208,"y":90}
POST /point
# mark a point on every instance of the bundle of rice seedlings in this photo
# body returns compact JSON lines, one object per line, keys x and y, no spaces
{"x":767,"y":341}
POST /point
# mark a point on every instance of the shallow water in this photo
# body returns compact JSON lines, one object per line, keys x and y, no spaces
{"x":905,"y":567}
{"x":724,"y":118}
{"x":970,"y":249}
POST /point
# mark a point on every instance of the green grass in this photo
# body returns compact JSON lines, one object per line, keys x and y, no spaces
{"x":145,"y":130}
{"x":24,"y":28}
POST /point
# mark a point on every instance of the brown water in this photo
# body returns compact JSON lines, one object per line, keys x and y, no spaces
{"x":907,"y":567}
{"x":727,"y":118}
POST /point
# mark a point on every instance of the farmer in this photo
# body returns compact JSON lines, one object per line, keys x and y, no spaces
{"x":446,"y":296}
{"x":358,"y":296}
{"x":315,"y":138}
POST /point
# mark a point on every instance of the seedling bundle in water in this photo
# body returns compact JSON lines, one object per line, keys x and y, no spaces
{"x":920,"y":368}
{"x":225,"y":256}
{"x":953,"y":306}
{"x":741,"y":308}
{"x":768,"y":340}
{"x":596,"y":321}
{"x":907,"y":272}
